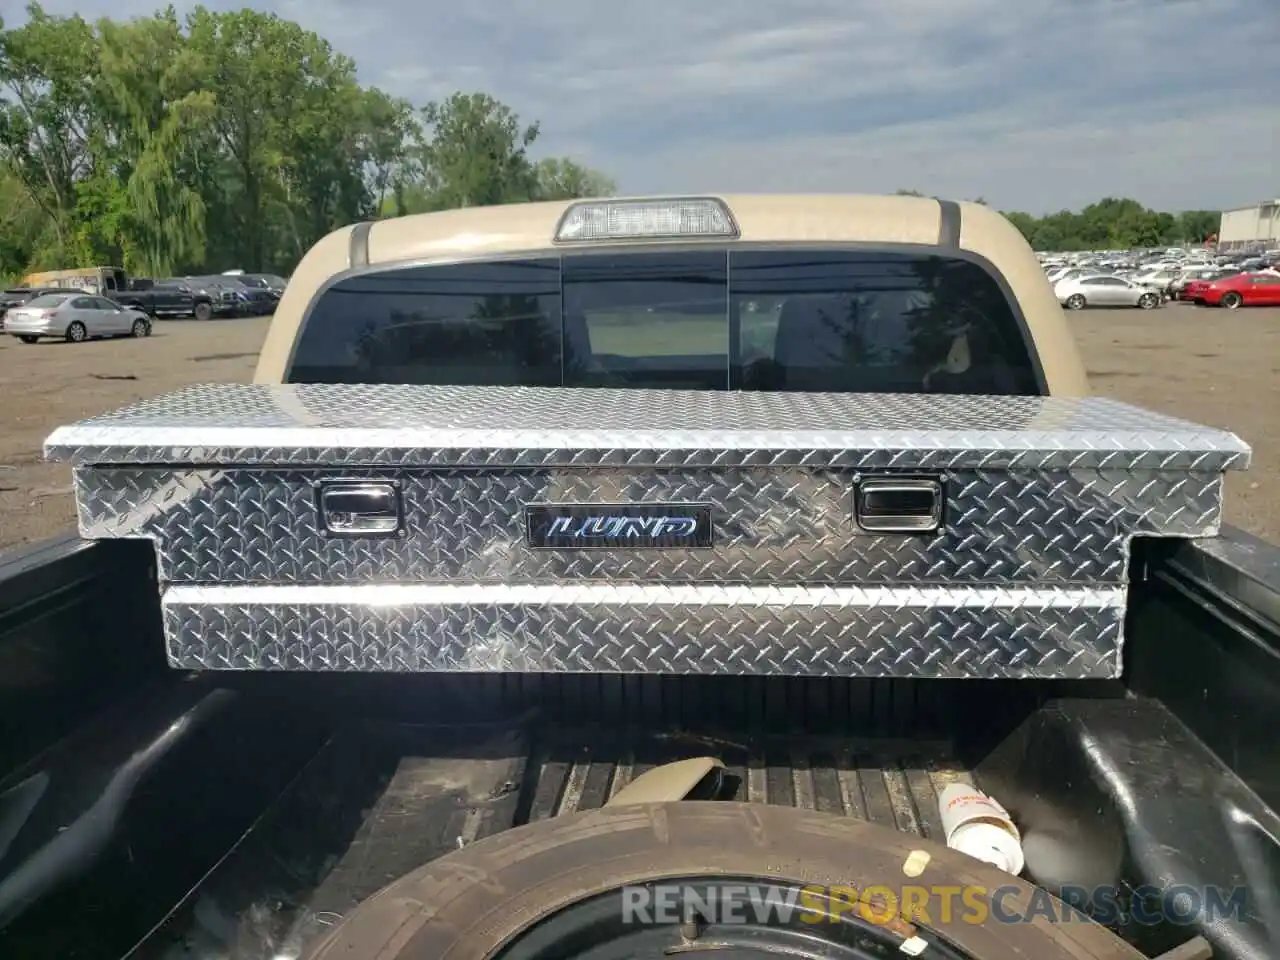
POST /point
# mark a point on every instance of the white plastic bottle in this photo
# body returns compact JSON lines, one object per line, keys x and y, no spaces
{"x":977,"y":825}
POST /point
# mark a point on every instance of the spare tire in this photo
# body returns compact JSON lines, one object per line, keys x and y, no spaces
{"x":509,"y":895}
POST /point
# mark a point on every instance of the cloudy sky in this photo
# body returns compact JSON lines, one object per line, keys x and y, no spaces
{"x":1032,"y":104}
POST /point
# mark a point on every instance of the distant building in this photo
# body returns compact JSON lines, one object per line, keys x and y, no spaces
{"x":1258,"y":225}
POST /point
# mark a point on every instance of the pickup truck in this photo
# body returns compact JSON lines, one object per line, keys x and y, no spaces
{"x":239,"y":295}
{"x":413,"y":648}
{"x":171,"y":298}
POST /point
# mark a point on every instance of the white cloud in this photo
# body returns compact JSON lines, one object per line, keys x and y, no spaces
{"x":1035,"y":104}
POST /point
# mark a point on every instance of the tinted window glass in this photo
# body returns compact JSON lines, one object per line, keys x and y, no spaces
{"x":646,"y":320}
{"x":851,"y":321}
{"x":704,"y":319}
{"x":468,"y":324}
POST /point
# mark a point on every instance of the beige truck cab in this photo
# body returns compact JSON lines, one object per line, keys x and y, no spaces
{"x":934,"y":295}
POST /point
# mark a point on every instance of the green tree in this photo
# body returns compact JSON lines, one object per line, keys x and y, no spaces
{"x":229,"y":139}
{"x":21,"y":223}
{"x":147,"y":200}
{"x":48,"y":68}
{"x":1114,"y":223}
{"x":1196,"y":226}
{"x":476,"y":152}
{"x":393,"y":141}
{"x":559,"y":178}
{"x":286,"y":120}
{"x":1026,"y":223}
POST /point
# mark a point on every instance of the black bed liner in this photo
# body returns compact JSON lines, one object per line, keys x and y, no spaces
{"x":380,"y":799}
{"x":314,"y":803}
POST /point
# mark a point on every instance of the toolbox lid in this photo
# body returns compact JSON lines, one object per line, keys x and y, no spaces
{"x":393,"y":425}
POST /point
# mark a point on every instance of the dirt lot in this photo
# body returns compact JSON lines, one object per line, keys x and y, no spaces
{"x":1209,"y":365}
{"x":47,"y":384}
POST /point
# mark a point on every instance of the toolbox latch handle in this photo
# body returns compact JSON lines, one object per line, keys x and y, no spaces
{"x":360,"y":508}
{"x":898,"y":505}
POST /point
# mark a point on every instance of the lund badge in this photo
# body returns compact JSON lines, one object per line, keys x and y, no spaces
{"x":618,"y":526}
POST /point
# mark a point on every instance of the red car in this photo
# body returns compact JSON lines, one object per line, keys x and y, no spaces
{"x":1189,"y":290}
{"x":1253,"y":289}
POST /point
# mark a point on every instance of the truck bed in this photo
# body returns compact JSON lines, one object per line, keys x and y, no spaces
{"x":150,"y":813}
{"x":380,"y":799}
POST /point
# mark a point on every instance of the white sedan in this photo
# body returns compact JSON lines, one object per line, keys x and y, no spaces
{"x":74,"y":317}
{"x":1105,"y":291}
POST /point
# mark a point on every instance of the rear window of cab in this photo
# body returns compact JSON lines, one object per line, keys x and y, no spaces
{"x":708,"y":319}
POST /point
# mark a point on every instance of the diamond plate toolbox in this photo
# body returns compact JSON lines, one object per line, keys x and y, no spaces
{"x":390,"y":528}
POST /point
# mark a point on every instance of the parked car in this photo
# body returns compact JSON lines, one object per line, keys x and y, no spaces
{"x":75,"y":317}
{"x":170,"y":297}
{"x":17,"y":296}
{"x":270,"y":282}
{"x":242,"y":298}
{"x":265,"y":281}
{"x":1243,"y":289}
{"x":1105,"y":291}
{"x":1198,"y":273}
{"x":1190,"y":289}
{"x":1159,"y":280}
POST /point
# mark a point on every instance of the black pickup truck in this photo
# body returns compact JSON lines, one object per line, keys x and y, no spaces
{"x":171,"y":298}
{"x":415,"y":649}
{"x":236,"y":293}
